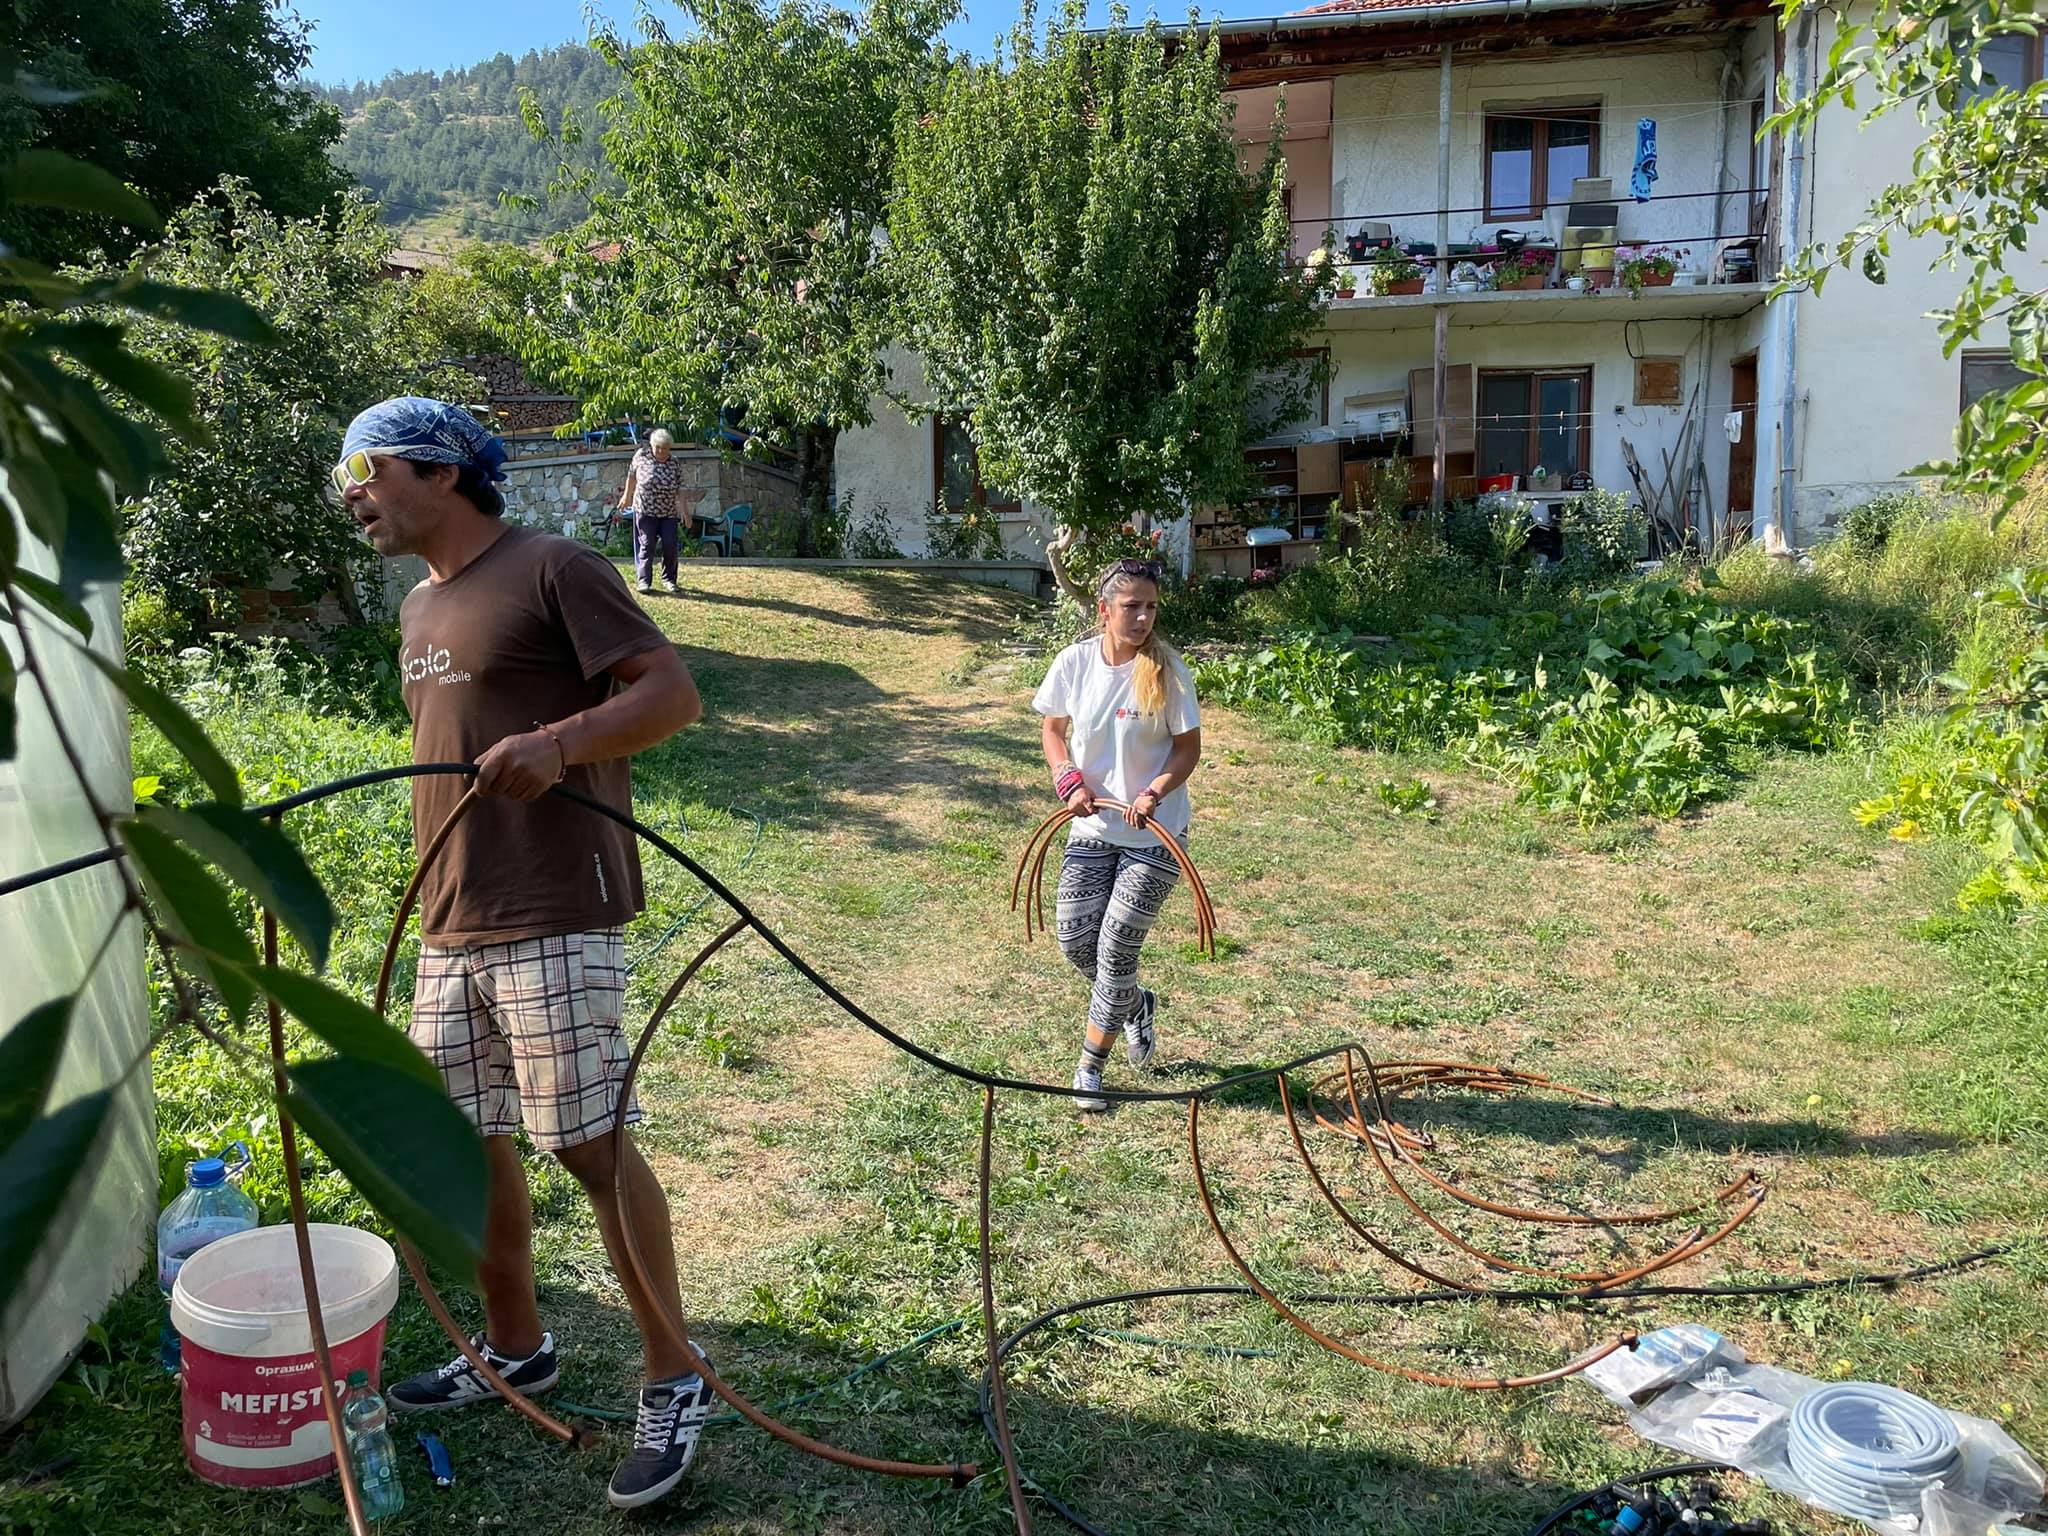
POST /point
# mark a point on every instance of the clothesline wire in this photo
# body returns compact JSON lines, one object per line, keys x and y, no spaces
{"x":1336,"y":219}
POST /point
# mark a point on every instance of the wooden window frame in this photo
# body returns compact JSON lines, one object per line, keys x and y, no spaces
{"x":2037,"y":64}
{"x":980,"y":494}
{"x":1997,"y":355}
{"x":1759,"y":192}
{"x":1531,"y":425}
{"x":1540,"y":119}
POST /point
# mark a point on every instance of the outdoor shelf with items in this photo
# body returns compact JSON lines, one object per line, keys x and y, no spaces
{"x":1280,"y":524}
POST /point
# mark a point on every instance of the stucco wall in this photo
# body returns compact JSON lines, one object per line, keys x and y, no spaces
{"x":1384,"y":140}
{"x":887,"y":465}
{"x":1876,"y":396}
{"x":1367,"y":362}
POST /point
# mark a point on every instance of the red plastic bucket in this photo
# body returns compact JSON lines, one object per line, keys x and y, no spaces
{"x":255,"y":1409}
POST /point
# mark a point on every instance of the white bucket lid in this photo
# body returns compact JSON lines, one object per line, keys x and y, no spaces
{"x":242,"y":1296}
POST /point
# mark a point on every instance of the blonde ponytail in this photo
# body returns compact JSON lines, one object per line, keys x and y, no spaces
{"x":1149,"y":680}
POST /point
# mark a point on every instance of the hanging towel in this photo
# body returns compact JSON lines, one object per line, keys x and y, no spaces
{"x":1646,"y":159}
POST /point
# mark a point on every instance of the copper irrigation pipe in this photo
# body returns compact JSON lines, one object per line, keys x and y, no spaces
{"x":309,"y":1280}
{"x":414,"y":1264}
{"x":1593,"y":1279}
{"x":1692,"y":1244}
{"x":1315,"y":1174}
{"x":1516,"y":1213}
{"x":957,"y":1473}
{"x":1406,"y":1073}
{"x":998,"y":1397}
{"x":1337,"y":1346}
{"x":1038,"y":847}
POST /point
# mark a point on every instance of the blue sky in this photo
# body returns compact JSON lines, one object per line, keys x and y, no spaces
{"x":367,"y":39}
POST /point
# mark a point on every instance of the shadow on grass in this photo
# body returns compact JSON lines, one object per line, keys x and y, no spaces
{"x":1648,"y":1131}
{"x":816,"y":743}
{"x":916,"y":605}
{"x":108,"y":1459}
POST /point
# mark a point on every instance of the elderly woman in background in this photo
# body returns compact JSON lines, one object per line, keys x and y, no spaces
{"x":654,"y":490}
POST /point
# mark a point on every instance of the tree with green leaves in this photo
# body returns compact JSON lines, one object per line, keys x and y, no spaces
{"x":1978,"y":186}
{"x":737,"y":266}
{"x":167,"y":96}
{"x":68,"y":454}
{"x":1090,"y":274}
{"x":224,"y":511}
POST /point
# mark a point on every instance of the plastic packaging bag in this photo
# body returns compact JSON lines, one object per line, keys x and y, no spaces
{"x":1660,"y":1359}
{"x":1741,"y":1412}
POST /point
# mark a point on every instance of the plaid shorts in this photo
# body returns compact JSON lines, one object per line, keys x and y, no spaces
{"x":529,"y":1030}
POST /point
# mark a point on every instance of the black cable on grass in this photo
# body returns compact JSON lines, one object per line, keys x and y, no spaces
{"x":1201,"y":1091}
{"x":1046,"y":1319}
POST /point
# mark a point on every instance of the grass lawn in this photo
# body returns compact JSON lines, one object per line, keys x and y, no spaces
{"x":1760,"y":985}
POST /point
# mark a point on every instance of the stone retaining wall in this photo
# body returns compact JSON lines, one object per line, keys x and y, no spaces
{"x":574,"y":489}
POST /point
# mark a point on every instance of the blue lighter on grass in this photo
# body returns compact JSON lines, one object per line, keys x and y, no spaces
{"x":437,"y":1460}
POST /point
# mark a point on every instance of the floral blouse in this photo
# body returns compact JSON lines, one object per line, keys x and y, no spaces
{"x":657,"y":485}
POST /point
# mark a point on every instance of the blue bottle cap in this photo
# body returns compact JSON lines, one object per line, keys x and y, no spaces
{"x":207,"y":1172}
{"x":1629,"y":1521}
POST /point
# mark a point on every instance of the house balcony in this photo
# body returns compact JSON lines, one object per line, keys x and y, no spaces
{"x":1544,"y":306}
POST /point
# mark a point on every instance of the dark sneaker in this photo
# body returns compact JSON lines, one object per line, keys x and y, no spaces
{"x":1138,"y":1041}
{"x":458,"y":1383}
{"x":672,"y":1415}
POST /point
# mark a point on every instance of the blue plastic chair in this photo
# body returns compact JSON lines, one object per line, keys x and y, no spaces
{"x":728,"y":534}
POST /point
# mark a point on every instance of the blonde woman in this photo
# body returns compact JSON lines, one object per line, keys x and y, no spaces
{"x":654,"y":490}
{"x":1121,"y":722}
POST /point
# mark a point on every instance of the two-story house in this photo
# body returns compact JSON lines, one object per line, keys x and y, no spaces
{"x":1455,"y":128}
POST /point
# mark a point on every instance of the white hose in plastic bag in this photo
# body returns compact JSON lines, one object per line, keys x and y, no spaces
{"x":1869,"y":1450}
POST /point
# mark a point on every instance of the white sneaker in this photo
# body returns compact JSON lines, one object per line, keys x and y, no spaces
{"x":1087,"y":1083}
{"x":645,"y":589}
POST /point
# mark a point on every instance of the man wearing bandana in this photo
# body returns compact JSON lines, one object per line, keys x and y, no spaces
{"x":524,"y":654}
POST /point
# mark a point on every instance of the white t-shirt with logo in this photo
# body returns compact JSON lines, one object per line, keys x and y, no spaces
{"x":1118,"y":750}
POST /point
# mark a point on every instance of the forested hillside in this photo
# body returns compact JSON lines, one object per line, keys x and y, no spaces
{"x":440,"y":149}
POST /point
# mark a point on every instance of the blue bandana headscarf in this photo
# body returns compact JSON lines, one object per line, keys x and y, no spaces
{"x":413,"y":427}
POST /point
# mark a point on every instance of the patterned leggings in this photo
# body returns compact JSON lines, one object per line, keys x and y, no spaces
{"x":1109,"y":898}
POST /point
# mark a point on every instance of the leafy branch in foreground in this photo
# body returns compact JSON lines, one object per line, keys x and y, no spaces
{"x":1979,"y":182}
{"x":67,"y":455}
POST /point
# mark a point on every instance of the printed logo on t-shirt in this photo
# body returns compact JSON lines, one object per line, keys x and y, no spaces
{"x":432,"y":661}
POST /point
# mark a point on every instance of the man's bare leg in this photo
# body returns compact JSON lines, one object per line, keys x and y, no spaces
{"x":641,"y":1194}
{"x":511,"y":1309}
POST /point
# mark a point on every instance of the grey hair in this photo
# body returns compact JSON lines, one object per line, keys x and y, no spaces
{"x":661,"y":437}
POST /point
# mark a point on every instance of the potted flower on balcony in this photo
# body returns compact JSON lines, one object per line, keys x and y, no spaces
{"x":1527,"y":268}
{"x":1347,"y":281}
{"x":1647,"y":267}
{"x":1396,"y":272}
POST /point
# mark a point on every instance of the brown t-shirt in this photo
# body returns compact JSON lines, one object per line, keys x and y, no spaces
{"x":521,"y":635}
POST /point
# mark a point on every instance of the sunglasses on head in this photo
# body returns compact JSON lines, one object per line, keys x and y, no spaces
{"x":357,"y":469}
{"x":1148,"y":570}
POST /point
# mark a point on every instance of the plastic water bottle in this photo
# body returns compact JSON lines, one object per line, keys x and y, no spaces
{"x":208,"y":1209}
{"x":370,"y":1451}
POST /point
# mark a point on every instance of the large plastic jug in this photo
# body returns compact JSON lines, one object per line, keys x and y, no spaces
{"x":208,"y":1209}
